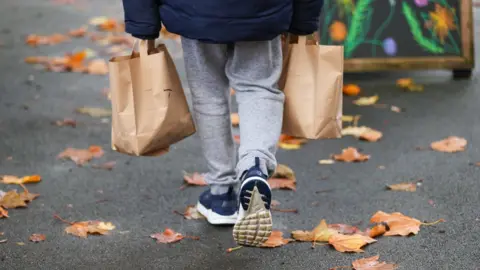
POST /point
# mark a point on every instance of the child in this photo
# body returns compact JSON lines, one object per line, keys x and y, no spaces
{"x":232,"y":43}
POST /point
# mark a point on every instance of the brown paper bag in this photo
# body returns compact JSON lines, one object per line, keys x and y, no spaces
{"x":312,"y":81}
{"x":149,"y":108}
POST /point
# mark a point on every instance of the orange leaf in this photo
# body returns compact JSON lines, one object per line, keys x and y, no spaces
{"x":66,"y":122}
{"x":320,"y":233}
{"x":371,"y":135}
{"x":81,"y":156}
{"x":191,"y":212}
{"x":235,"y":119}
{"x":372,"y":263}
{"x":105,"y":166}
{"x":377,"y":230}
{"x":11,"y":179}
{"x":12,"y":199}
{"x":363,"y":132}
{"x":195,"y":179}
{"x":398,"y":224}
{"x":349,"y":243}
{"x":35,"y":40}
{"x":168,"y":236}
{"x":450,"y":145}
{"x":351,"y":90}
{"x":79,"y":32}
{"x":410,"y":187}
{"x":344,"y":228}
{"x":276,"y":240}
{"x":96,"y":151}
{"x":351,"y":154}
{"x":3,"y":213}
{"x":37,"y":237}
{"x":283,"y":178}
{"x":290,"y":143}
{"x":36,"y":60}
{"x":83,"y":228}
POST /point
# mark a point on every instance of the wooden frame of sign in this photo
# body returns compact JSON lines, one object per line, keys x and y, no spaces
{"x":462,"y":66}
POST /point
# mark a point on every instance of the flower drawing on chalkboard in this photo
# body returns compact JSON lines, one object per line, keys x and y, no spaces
{"x":442,"y":21}
{"x":421,"y":3}
{"x":338,"y":31}
{"x":390,"y":46}
{"x":345,"y":7}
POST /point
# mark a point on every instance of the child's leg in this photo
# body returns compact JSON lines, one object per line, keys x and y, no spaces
{"x":254,"y":71}
{"x":205,"y":66}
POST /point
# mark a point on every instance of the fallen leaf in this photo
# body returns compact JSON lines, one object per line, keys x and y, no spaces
{"x":350,"y":243}
{"x":274,"y":203}
{"x":20,"y":243}
{"x":191,"y":212}
{"x":398,"y":224}
{"x":450,"y":144}
{"x":3,"y":213}
{"x":168,"y":236}
{"x":95,"y":112}
{"x":36,"y":60}
{"x":276,"y":240}
{"x":326,"y":161}
{"x":11,"y":179}
{"x":283,"y":178}
{"x":290,"y":143}
{"x":351,"y":90}
{"x":37,"y":237}
{"x":366,"y":101}
{"x":344,"y":228}
{"x":12,"y":199}
{"x":377,"y":230}
{"x":195,"y":179}
{"x":321,"y":233}
{"x":396,"y":109}
{"x":105,"y":166}
{"x":83,"y":228}
{"x":363,"y":132}
{"x":351,"y":154}
{"x":79,"y":32}
{"x":66,"y":122}
{"x":409,"y":85}
{"x":70,"y":62}
{"x":406,"y":186}
{"x":97,"y":67}
{"x":235,"y":119}
{"x":35,"y":40}
{"x":372,"y":263}
{"x":81,"y":156}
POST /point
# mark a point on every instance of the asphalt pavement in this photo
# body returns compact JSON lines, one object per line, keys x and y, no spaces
{"x":139,"y":194}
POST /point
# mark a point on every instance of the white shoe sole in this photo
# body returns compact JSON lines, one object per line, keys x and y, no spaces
{"x":214,"y":218}
{"x":254,"y":225}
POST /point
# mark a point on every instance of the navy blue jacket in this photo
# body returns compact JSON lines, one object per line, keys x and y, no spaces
{"x":222,"y":21}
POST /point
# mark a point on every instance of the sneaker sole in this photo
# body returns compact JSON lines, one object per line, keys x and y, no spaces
{"x":254,"y":225}
{"x":214,"y":218}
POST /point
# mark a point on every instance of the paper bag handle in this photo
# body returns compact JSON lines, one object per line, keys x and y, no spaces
{"x":142,"y":47}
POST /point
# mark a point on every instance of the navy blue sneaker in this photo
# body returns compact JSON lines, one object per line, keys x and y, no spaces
{"x":254,"y":223}
{"x":218,"y":209}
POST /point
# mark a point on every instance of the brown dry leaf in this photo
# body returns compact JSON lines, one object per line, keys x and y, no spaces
{"x":276,"y":240}
{"x":377,"y":230}
{"x":406,"y":186}
{"x":408,"y":84}
{"x":3,"y":213}
{"x":283,"y":178}
{"x":372,"y":263}
{"x":35,"y":40}
{"x":398,"y":223}
{"x":168,"y":236}
{"x":83,"y":228}
{"x":326,"y":161}
{"x":344,"y":228}
{"x":109,"y":165}
{"x":235,"y":119}
{"x":94,"y":112}
{"x":12,"y":199}
{"x":66,"y":122}
{"x":82,"y":156}
{"x":11,"y":179}
{"x":351,"y":154}
{"x":350,"y":243}
{"x":366,"y":101}
{"x":363,"y":132}
{"x":36,"y":60}
{"x":191,"y":212}
{"x":195,"y":179}
{"x":37,"y":237}
{"x":109,"y":25}
{"x":450,"y":144}
{"x":274,"y":203}
{"x":79,"y":32}
{"x":290,"y":143}
{"x":97,"y":67}
{"x":321,"y":233}
{"x":70,"y":62}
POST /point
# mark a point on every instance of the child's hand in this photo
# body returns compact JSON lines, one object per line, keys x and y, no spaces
{"x":151,"y":45}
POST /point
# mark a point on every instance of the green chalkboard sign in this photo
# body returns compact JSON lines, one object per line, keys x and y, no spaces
{"x":400,"y":34}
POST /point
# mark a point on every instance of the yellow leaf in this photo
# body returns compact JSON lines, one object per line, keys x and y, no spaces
{"x":350,"y":243}
{"x":366,"y":101}
{"x":11,"y":179}
{"x":326,"y":161}
{"x":411,"y":187}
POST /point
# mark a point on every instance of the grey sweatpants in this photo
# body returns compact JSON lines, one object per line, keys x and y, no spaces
{"x":253,"y":70}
